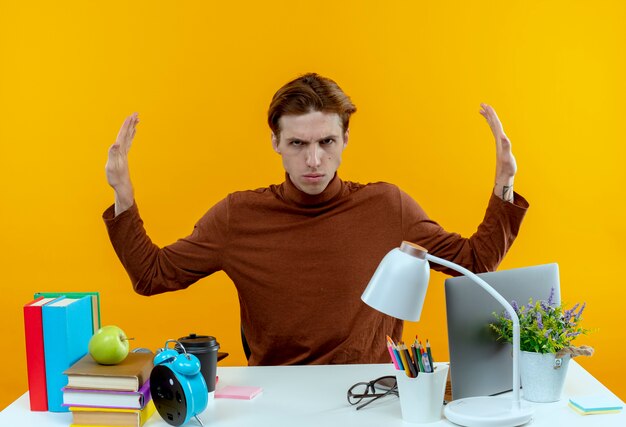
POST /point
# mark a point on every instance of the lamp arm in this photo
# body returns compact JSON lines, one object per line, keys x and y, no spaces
{"x":509,"y":309}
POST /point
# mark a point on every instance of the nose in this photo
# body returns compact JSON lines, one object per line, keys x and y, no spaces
{"x":313,"y":156}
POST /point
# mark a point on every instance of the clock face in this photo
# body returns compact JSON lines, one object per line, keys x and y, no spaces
{"x":168,"y":396}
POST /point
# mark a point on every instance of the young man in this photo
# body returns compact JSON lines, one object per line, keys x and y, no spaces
{"x":302,"y":252}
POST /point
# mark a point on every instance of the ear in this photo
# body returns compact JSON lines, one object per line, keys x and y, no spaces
{"x":346,"y":136}
{"x":275,"y":141}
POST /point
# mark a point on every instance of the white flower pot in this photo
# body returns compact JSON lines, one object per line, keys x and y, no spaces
{"x":542,"y":376}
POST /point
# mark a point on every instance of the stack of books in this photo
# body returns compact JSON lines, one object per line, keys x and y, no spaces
{"x":110,"y":395}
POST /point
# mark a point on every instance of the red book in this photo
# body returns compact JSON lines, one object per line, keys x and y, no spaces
{"x":35,"y":363}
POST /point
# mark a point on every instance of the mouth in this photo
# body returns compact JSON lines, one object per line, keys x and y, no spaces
{"x":313,"y":177}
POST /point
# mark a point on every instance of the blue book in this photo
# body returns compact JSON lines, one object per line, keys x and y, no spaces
{"x":67,"y":329}
{"x":95,"y":299}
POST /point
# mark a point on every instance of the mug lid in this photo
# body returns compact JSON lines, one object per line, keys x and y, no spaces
{"x":198,"y":341}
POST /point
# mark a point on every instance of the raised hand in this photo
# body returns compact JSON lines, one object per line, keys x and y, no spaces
{"x":116,"y":168}
{"x":506,"y":166}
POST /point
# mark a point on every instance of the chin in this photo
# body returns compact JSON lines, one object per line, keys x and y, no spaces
{"x":313,"y":190}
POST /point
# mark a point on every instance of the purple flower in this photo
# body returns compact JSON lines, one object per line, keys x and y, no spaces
{"x":539,"y":321}
{"x":547,"y":333}
{"x":515,"y":306}
{"x":550,"y":298}
{"x":581,"y":309}
{"x":569,"y":313}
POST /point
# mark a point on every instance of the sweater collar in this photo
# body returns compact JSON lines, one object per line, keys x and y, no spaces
{"x":291,"y":193}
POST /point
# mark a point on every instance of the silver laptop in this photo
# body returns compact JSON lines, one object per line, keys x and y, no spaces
{"x":479,"y":365}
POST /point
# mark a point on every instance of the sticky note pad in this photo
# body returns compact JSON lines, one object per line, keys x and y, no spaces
{"x":595,"y":404}
{"x":238,"y":392}
{"x":581,"y":412}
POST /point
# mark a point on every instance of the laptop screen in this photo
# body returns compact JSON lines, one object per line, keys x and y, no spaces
{"x":479,"y":365}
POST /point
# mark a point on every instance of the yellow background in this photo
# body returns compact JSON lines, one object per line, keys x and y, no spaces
{"x":201,"y":75}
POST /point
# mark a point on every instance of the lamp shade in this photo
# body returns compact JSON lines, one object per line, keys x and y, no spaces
{"x":398,"y":286}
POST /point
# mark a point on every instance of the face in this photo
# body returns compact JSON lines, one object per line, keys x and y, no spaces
{"x":310,"y":146}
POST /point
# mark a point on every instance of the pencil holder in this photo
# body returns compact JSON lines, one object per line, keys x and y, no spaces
{"x":421,"y":398}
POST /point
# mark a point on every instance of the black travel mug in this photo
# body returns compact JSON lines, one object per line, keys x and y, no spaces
{"x":205,"y":349}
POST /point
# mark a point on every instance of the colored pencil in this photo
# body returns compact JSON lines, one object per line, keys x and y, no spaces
{"x":405,"y":362}
{"x":416,"y":358}
{"x":430,"y":355}
{"x":418,"y":349}
{"x":427,"y":367}
{"x":409,"y":361}
{"x":397,"y":355}
{"x":393,"y":357}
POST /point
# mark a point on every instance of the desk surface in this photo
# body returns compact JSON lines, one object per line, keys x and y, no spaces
{"x":316,"y":396}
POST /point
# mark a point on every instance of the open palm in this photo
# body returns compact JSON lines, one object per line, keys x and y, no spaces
{"x":506,"y":166}
{"x":116,"y":167}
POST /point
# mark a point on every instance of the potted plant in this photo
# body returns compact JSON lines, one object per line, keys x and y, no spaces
{"x":546,"y":334}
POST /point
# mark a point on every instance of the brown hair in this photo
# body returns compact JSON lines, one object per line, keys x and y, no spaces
{"x":309,"y":92}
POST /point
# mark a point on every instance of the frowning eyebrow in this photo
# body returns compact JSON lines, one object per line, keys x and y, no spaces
{"x":308,"y":142}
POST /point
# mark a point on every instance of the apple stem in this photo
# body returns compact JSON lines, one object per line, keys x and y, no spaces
{"x":128,"y":339}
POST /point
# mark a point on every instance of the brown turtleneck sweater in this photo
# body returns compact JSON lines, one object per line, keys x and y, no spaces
{"x":301,"y":262}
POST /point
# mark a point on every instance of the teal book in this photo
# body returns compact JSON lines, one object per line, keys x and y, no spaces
{"x":67,"y":329}
{"x":95,"y":301}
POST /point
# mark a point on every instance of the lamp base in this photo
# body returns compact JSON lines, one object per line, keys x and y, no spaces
{"x":486,"y":411}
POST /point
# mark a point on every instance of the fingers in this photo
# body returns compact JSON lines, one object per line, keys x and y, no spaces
{"x":488,"y":112}
{"x":133,"y":127}
{"x":127,"y":131}
{"x":483,"y":110}
{"x":133,"y":119}
{"x":124,"y":127}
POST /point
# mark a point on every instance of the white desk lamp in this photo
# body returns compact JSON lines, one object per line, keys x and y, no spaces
{"x":398,"y":288}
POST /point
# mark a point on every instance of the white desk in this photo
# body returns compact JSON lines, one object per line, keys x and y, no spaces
{"x":316,"y":396}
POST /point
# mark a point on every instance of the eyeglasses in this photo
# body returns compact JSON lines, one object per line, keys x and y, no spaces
{"x":373,"y":390}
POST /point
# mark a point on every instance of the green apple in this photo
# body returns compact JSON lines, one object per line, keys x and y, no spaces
{"x":109,"y":346}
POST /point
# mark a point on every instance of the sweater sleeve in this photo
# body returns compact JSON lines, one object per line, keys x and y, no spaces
{"x":481,"y":252}
{"x":155,"y":270}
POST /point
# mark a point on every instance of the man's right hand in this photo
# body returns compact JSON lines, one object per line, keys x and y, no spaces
{"x":116,"y":168}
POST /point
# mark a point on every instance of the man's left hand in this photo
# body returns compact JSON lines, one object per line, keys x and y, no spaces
{"x":506,"y":167}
